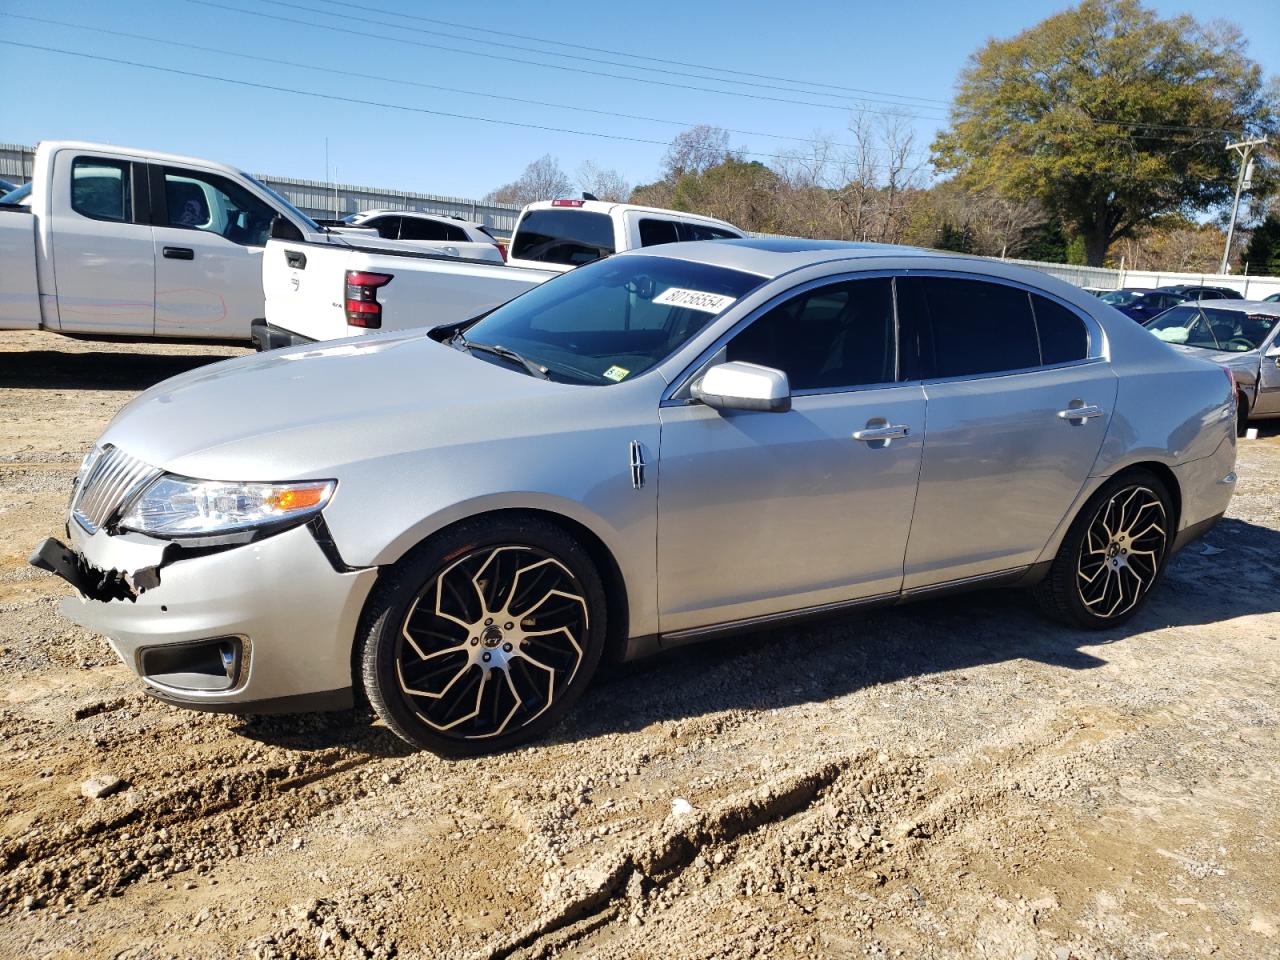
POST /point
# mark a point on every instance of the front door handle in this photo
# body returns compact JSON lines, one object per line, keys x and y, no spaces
{"x":1081,"y":412}
{"x":179,"y":253}
{"x":892,"y":431}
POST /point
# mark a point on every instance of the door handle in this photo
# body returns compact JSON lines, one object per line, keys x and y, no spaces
{"x":889,"y":432}
{"x":296,"y":259}
{"x":179,"y":253}
{"x":1081,"y":413}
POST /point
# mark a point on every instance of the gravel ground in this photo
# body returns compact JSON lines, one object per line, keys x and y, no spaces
{"x":958,"y":778}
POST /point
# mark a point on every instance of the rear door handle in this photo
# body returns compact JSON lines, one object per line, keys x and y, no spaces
{"x":179,"y":253}
{"x":889,"y":432}
{"x":296,"y":259}
{"x":1082,"y":412}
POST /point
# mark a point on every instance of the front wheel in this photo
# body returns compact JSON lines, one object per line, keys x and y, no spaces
{"x":484,"y":637}
{"x":1113,"y":554}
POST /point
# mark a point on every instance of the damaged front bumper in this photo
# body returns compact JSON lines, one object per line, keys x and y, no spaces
{"x":265,"y":626}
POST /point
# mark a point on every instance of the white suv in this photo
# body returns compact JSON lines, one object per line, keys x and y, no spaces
{"x":563,"y":234}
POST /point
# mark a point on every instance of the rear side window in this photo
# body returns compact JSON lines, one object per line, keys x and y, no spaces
{"x":565,"y":236}
{"x":101,"y":189}
{"x":655,"y":232}
{"x":698,"y":231}
{"x":418,"y":228}
{"x":976,"y":327}
{"x":1063,"y":337}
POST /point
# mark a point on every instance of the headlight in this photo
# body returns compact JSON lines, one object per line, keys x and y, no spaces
{"x":180,"y":507}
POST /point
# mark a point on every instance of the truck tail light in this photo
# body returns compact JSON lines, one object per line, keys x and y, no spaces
{"x":361,"y":300}
{"x":567,"y":203}
{"x":502,"y":251}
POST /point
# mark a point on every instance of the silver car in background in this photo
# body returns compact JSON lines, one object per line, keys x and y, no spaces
{"x":671,"y":444}
{"x":1243,"y":336}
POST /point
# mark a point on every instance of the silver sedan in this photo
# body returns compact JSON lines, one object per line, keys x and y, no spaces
{"x":671,"y":444}
{"x":1241,"y":335}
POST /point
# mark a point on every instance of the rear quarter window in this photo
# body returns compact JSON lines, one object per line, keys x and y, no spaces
{"x":564,"y":236}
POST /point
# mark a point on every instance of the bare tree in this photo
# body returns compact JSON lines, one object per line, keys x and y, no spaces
{"x":542,"y":180}
{"x":695,"y":151}
{"x":605,"y":184}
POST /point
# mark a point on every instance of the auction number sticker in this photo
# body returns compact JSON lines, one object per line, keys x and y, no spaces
{"x":615,"y":373}
{"x":694,"y":299}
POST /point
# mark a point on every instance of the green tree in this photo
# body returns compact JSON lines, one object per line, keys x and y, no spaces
{"x":1262,"y":254}
{"x":1108,"y":116}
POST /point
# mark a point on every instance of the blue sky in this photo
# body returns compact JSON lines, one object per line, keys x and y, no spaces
{"x":909,"y":50}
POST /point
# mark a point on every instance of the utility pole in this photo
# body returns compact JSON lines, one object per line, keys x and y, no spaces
{"x":1246,"y":150}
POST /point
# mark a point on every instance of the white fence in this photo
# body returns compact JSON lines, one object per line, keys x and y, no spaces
{"x":1105,"y":278}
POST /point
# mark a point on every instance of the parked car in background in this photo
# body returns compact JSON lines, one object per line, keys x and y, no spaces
{"x":562,"y":234}
{"x":1242,"y":336}
{"x":1191,"y":291}
{"x":1274,"y":298}
{"x":462,"y":523}
{"x":1141,"y":305}
{"x":458,"y":237}
{"x":394,"y":290}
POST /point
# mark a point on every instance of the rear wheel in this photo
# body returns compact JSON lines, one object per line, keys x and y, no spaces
{"x":1113,"y":554}
{"x":485,"y":637}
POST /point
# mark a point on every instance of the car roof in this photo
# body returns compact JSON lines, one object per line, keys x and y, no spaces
{"x":773,"y":256}
{"x":420,"y":214}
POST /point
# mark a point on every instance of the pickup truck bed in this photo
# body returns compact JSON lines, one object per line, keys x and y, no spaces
{"x":306,"y":282}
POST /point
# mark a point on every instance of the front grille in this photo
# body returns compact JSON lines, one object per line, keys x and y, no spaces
{"x":110,"y":479}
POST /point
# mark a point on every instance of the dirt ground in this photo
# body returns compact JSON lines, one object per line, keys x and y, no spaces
{"x":958,"y":778}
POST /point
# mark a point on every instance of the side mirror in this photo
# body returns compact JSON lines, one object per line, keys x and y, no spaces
{"x":283,"y":228}
{"x":743,"y":386}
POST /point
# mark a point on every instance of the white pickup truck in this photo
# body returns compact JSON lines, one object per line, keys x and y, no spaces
{"x":318,"y":290}
{"x":118,"y":242}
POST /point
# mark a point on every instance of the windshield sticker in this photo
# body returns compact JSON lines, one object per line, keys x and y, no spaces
{"x":615,"y":373}
{"x":694,"y":299}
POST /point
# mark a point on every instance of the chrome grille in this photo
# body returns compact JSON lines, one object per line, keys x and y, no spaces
{"x":110,"y":479}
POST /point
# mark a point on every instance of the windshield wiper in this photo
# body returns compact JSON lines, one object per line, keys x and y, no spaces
{"x":536,"y":369}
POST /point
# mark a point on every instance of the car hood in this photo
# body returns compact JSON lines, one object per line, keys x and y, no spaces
{"x":1242,"y":362}
{"x":304,"y":411}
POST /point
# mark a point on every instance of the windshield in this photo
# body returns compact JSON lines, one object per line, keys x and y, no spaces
{"x":311,"y":225}
{"x":1121,"y":298}
{"x":18,"y":195}
{"x":613,"y":320}
{"x":1209,"y":329}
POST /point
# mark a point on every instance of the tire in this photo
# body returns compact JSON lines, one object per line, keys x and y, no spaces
{"x":484,"y":637}
{"x":1137,"y":510}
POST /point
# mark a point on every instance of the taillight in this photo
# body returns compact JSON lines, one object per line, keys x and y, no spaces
{"x":1231,"y":385}
{"x":361,"y":301}
{"x":502,"y":251}
{"x":567,"y":203}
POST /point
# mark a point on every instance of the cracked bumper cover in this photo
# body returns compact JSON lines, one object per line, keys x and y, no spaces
{"x":295,"y":615}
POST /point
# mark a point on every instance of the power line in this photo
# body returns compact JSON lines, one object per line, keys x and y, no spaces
{"x":412,"y":83}
{"x":623,"y":53}
{"x":348,"y":32}
{"x":359,"y":101}
{"x":568,"y":56}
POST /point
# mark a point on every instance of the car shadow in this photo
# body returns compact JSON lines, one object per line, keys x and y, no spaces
{"x":96,"y":370}
{"x":766,"y":670}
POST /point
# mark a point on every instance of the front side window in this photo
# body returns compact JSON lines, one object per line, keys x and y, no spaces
{"x":388,"y":227}
{"x":565,"y":236}
{"x":416,"y":228}
{"x":974,"y":326}
{"x":832,"y":337}
{"x":611,"y":321}
{"x":206,"y":201}
{"x":101,"y":189}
